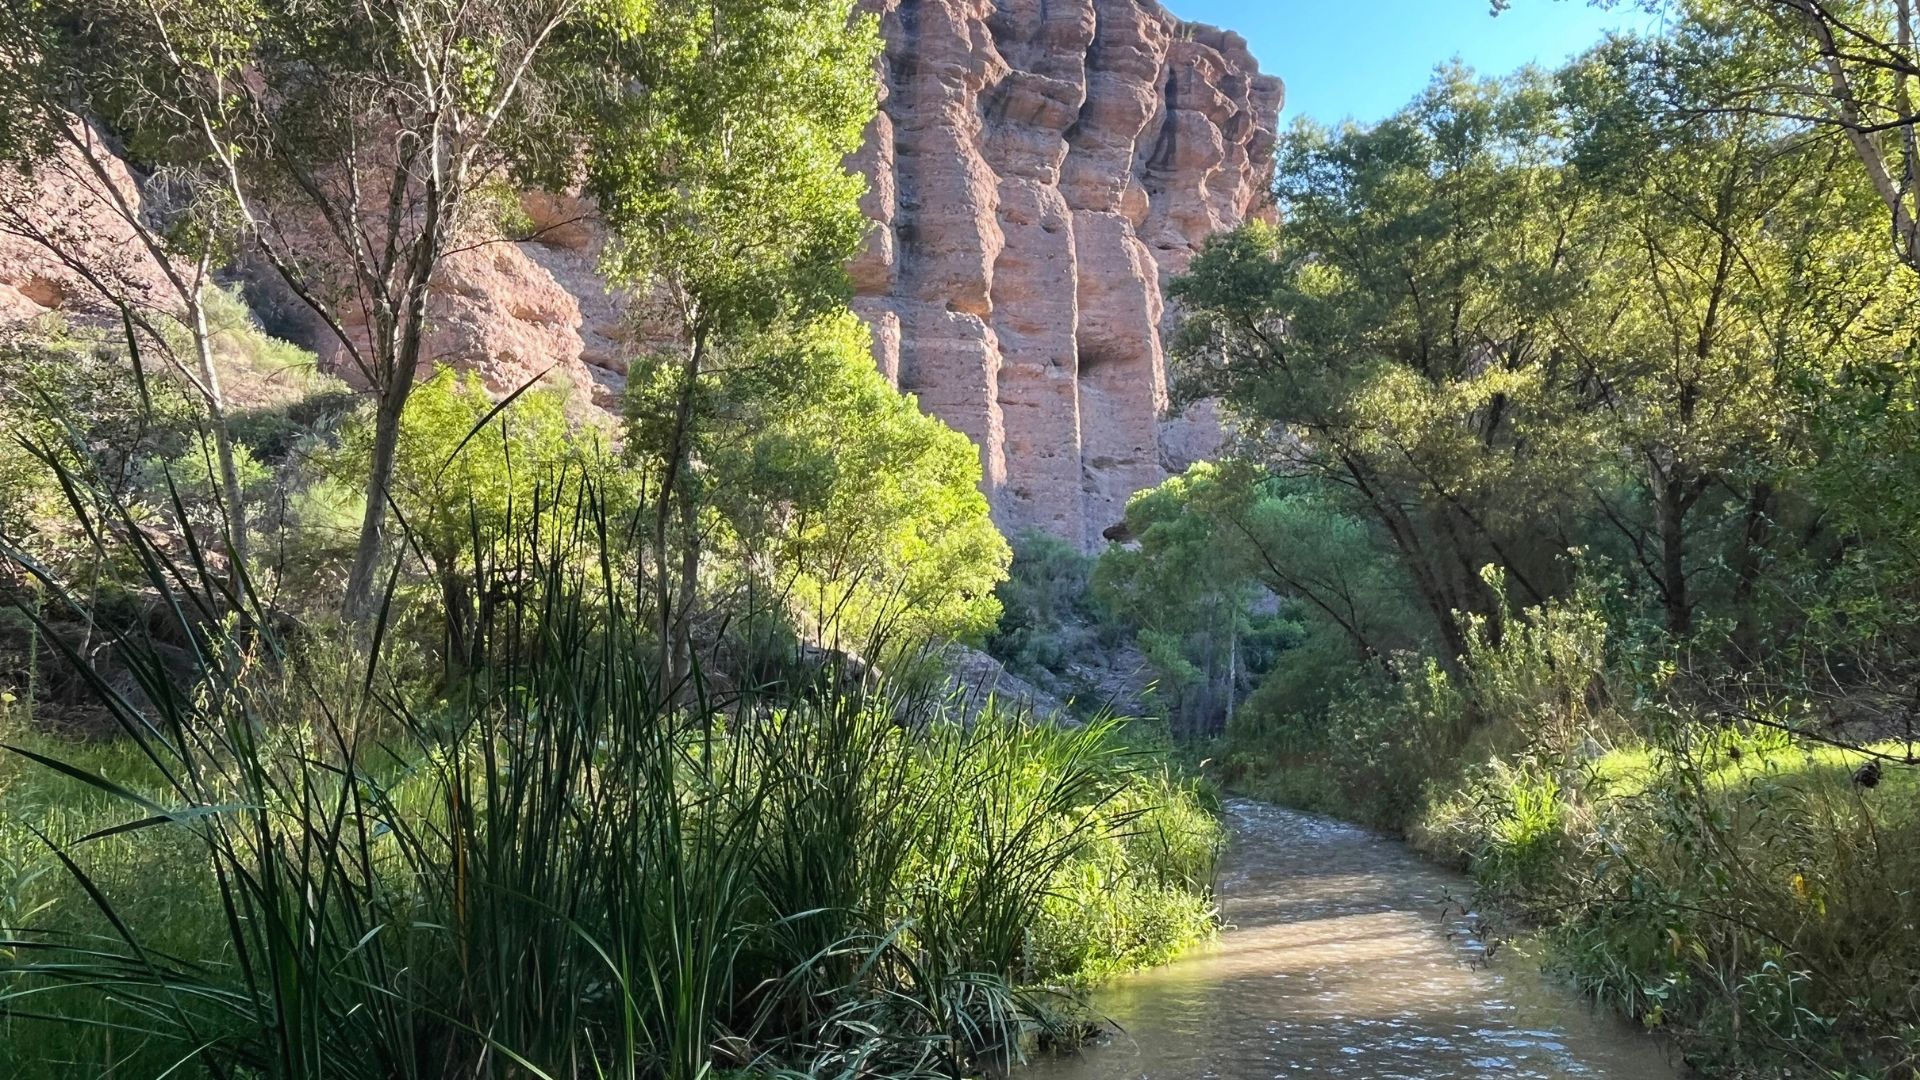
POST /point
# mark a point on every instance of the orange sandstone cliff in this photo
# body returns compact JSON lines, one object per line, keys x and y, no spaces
{"x":1038,"y":170}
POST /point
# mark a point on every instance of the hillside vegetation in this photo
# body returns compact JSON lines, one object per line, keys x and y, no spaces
{"x":1569,"y":525}
{"x":395,"y":720}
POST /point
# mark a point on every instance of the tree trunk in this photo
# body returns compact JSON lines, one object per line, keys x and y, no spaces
{"x":1671,"y":515}
{"x":358,"y":605}
{"x":236,"y":507}
{"x":1233,"y":669}
{"x":689,"y":589}
{"x":454,"y":598}
{"x":675,"y":651}
{"x":397,"y":347}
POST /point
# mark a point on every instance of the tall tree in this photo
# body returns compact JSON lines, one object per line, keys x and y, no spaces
{"x":730,"y":203}
{"x":1851,"y":66}
{"x":1726,"y":268}
{"x":1392,"y":338}
{"x":351,"y":142}
{"x":1510,"y":312}
{"x":861,"y":514}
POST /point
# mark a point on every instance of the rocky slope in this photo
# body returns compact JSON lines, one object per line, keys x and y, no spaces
{"x":1039,"y":168}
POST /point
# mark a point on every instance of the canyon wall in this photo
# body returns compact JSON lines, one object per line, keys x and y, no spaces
{"x":1039,"y":169}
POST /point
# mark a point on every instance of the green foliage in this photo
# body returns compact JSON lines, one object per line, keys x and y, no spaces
{"x":1731,"y":885}
{"x":1239,"y":578}
{"x":1049,"y":617}
{"x":871,"y":507}
{"x":725,"y":181}
{"x":1388,"y":340}
{"x":1192,"y":584}
{"x":466,"y":468}
{"x":836,"y":492}
{"x":293,"y":869}
{"x":1138,"y":896}
{"x":1374,"y":753}
{"x":72,"y":400}
{"x":726,"y":190}
{"x":1498,"y":327}
{"x":1727,"y":881}
{"x":468,"y":471}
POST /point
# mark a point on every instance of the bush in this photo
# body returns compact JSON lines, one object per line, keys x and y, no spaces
{"x":1373,"y":756}
{"x":1048,"y":615}
{"x":1752,"y":892}
{"x":1729,"y":885}
{"x":1140,"y":894}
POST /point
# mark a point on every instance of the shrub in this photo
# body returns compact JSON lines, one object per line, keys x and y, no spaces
{"x":1048,"y":615}
{"x":1725,"y":881}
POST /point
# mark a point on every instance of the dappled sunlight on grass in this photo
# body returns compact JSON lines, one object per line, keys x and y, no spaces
{"x":1740,"y":762}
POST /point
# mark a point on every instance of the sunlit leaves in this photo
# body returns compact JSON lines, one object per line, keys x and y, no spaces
{"x":724,"y":175}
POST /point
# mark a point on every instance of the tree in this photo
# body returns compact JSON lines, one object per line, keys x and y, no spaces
{"x":1211,"y":547}
{"x":1728,"y":268}
{"x":1393,"y":339}
{"x":860,"y":513}
{"x":729,"y":201}
{"x":350,"y":141}
{"x":467,"y":472}
{"x":1513,"y":313}
{"x":1848,"y":66}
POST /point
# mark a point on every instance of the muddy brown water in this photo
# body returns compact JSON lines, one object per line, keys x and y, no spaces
{"x":1346,"y":955}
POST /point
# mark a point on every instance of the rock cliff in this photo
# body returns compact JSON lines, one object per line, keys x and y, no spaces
{"x":1039,"y":169}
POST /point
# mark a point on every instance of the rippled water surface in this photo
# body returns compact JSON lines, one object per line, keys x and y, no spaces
{"x":1347,"y":956}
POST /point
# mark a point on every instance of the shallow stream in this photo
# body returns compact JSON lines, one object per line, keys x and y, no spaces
{"x":1346,"y":955}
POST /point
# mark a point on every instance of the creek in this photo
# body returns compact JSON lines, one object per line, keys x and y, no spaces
{"x":1346,"y":955}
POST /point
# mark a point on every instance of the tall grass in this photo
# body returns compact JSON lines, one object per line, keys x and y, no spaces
{"x":297,"y":868}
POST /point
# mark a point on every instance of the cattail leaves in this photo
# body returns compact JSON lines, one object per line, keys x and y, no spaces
{"x":554,"y":868}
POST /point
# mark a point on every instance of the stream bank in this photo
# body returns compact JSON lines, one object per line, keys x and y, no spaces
{"x":1347,"y":955}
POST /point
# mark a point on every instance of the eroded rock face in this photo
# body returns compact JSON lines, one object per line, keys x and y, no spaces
{"x":67,"y":245}
{"x":1039,"y":169}
{"x":515,"y":311}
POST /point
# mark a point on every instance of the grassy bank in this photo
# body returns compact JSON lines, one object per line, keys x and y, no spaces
{"x":917,"y":906}
{"x":295,"y":866}
{"x":1751,"y":891}
{"x":1756,"y":894}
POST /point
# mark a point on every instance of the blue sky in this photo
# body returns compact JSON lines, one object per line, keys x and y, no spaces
{"x":1365,"y":58}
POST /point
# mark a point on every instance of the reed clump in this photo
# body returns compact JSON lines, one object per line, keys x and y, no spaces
{"x":299,"y":866}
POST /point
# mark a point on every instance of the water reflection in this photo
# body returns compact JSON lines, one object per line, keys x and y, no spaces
{"x":1345,"y":959}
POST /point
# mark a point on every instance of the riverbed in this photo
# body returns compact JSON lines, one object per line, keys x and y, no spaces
{"x":1346,"y":955}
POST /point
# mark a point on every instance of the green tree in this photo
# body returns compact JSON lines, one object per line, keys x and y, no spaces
{"x":1394,"y":340}
{"x":467,"y":472}
{"x":1226,"y":563}
{"x":351,"y":143}
{"x":1519,"y":321}
{"x":837,"y":493}
{"x":1186,"y":585}
{"x":1729,"y":267}
{"x":121,"y":244}
{"x":1843,"y":66}
{"x":730,"y":204}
